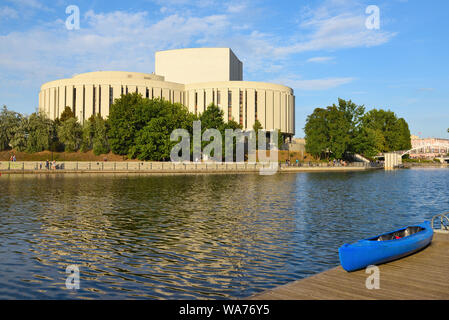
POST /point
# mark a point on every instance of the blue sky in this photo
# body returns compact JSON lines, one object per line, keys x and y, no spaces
{"x":322,"y":49}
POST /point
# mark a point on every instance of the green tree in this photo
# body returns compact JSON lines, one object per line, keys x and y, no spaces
{"x":337,"y":130}
{"x":66,"y":114}
{"x":88,"y":134}
{"x":19,"y":141}
{"x":317,"y":133}
{"x":41,"y":132}
{"x":396,"y":133}
{"x":152,"y":142}
{"x":127,"y":116}
{"x":257,"y":127}
{"x":10,"y":122}
{"x":100,"y":142}
{"x":70,"y":134}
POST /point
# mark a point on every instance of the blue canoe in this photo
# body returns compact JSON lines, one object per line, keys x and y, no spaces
{"x":385,"y":247}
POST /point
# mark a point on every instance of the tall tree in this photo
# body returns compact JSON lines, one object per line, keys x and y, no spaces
{"x":10,"y":121}
{"x":70,"y":134}
{"x":66,"y":114}
{"x":41,"y":132}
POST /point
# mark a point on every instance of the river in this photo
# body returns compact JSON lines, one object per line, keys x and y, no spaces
{"x":214,"y":236}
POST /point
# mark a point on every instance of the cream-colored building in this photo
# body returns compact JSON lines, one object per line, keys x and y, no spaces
{"x":193,"y":77}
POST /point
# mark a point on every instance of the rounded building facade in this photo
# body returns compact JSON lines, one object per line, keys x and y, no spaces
{"x":245,"y":102}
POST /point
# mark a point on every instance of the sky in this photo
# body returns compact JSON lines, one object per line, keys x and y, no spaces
{"x":323,"y":49}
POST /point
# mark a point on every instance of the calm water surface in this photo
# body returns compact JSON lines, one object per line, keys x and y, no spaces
{"x":196,"y":236}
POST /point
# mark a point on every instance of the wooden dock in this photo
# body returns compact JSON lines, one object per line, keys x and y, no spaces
{"x":421,"y":276}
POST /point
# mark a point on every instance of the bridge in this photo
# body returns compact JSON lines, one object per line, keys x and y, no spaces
{"x":434,"y":149}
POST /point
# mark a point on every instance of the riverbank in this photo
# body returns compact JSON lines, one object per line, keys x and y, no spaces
{"x":39,"y":167}
{"x":425,"y":165}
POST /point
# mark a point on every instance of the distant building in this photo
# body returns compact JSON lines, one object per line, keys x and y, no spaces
{"x":428,"y":147}
{"x":195,"y":77}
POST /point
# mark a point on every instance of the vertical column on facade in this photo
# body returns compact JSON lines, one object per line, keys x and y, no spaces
{"x":57,"y":102}
{"x":209,"y":100}
{"x":104,"y":100}
{"x":190,"y":97}
{"x":200,"y":103}
{"x":283,"y":112}
{"x":166,"y":94}
{"x":69,"y":97}
{"x":277,"y":110}
{"x":116,"y":91}
{"x":236,"y":104}
{"x":293,"y":115}
{"x":269,"y":110}
{"x":51,"y":111}
{"x":142,"y":90}
{"x":157,"y":93}
{"x":62,"y":100}
{"x":290,"y":114}
{"x":88,"y":102}
{"x":132,"y":89}
{"x":224,"y":102}
{"x":251,"y":107}
{"x":261,"y":108}
{"x":97,"y":101}
{"x":176,"y":96}
{"x":79,"y":103}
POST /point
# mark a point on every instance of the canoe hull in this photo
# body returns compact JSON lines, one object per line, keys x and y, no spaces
{"x":370,"y":252}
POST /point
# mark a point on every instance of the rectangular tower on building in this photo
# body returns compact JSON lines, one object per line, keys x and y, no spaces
{"x":195,"y":65}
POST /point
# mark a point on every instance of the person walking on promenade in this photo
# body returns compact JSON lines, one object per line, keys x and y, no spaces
{"x":47,"y":164}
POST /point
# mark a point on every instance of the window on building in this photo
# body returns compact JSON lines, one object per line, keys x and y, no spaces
{"x":122,"y":89}
{"x":255,"y":104}
{"x":74,"y":101}
{"x":147,"y":93}
{"x":241,"y":108}
{"x":84,"y":102}
{"x":218,"y":98}
{"x":229,"y":105}
{"x":93,"y":100}
{"x":246,"y":109}
{"x":196,"y":102}
{"x":111,"y":96}
{"x":99,"y":100}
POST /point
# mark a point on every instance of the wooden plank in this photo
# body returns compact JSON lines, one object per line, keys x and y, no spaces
{"x":424,"y":275}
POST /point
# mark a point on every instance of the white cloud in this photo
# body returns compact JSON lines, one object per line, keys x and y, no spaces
{"x":236,"y":8}
{"x":121,"y":40}
{"x":8,"y":13}
{"x":106,"y":41}
{"x":314,"y":84}
{"x":320,"y":59}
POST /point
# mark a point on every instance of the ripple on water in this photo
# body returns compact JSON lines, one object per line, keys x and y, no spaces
{"x":205,"y":236}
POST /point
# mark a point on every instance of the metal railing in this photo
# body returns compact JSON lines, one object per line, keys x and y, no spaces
{"x":331,"y":165}
{"x":443,"y":222}
{"x":132,"y":166}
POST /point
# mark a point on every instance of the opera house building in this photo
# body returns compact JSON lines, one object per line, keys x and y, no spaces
{"x":193,"y":77}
